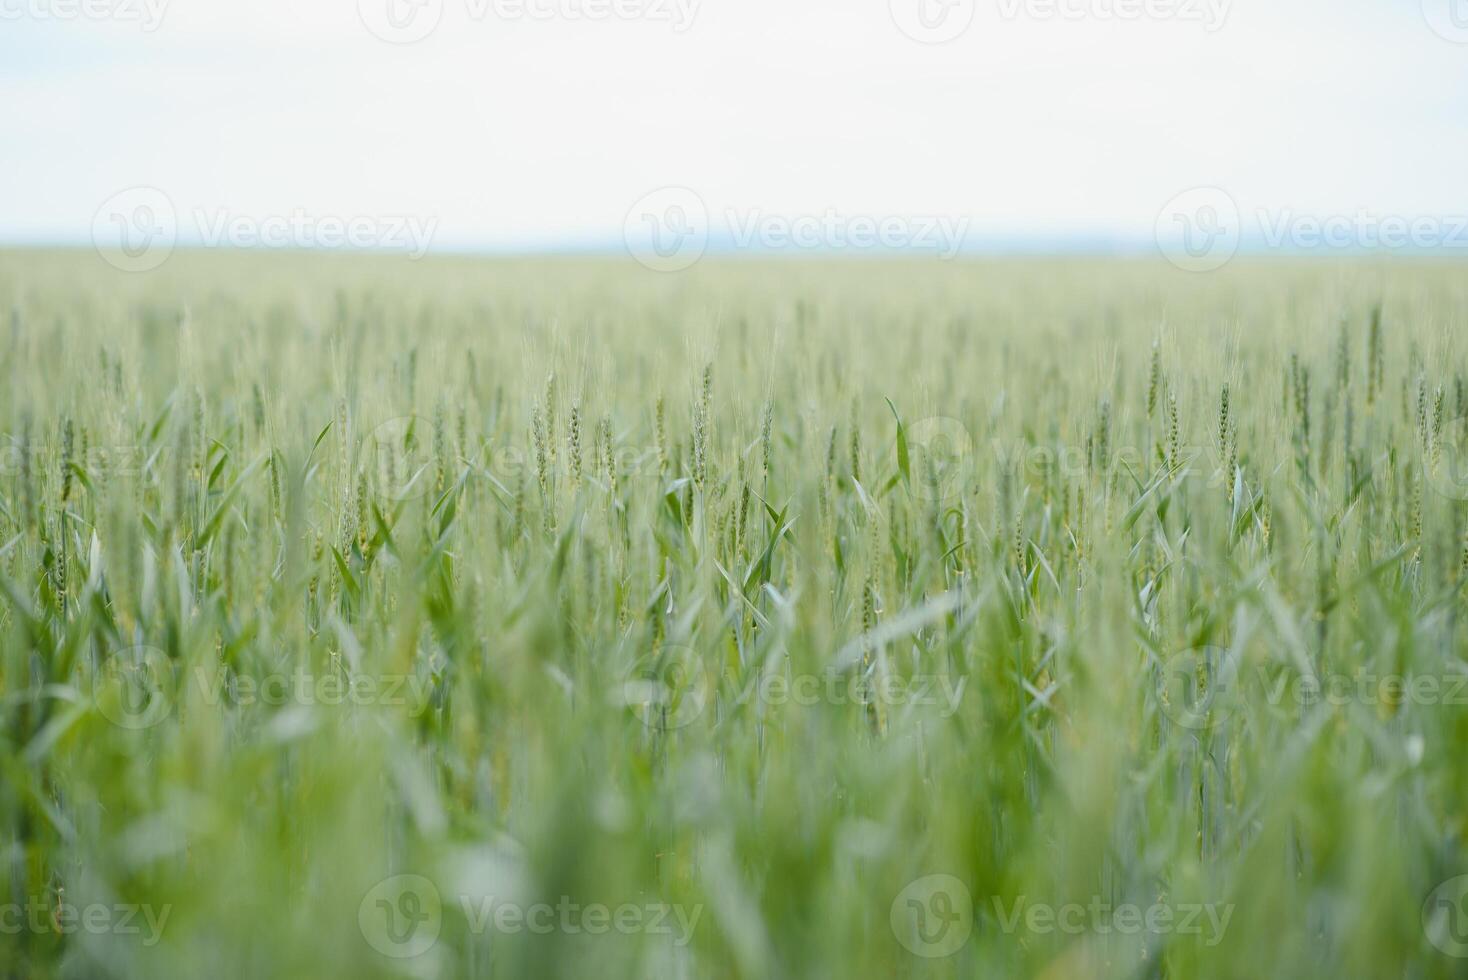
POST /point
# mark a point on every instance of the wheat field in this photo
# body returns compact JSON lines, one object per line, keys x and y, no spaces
{"x":528,"y":619}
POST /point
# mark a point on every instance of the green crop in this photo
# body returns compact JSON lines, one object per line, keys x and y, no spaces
{"x":465,"y":618}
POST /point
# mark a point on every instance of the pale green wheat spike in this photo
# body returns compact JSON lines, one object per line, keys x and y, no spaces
{"x":317,"y":550}
{"x":690,"y":469}
{"x":1154,"y":378}
{"x":84,"y":454}
{"x":550,"y":415}
{"x":67,"y":445}
{"x":542,"y":455}
{"x":722,"y":529}
{"x":440,"y":451}
{"x":1003,"y":510}
{"x":518,"y":522}
{"x":701,"y":429}
{"x":1081,"y":551}
{"x":200,"y":459}
{"x":347,"y":531}
{"x":1302,"y":403}
{"x":1020,"y":557}
{"x":1174,"y":437}
{"x":59,"y":564}
{"x":1437,"y":426}
{"x":875,"y":718}
{"x":741,"y":538}
{"x":257,"y":402}
{"x":573,"y":444}
{"x":462,"y":432}
{"x":363,"y":506}
{"x":182,"y":463}
{"x":609,"y":455}
{"x":275,"y":464}
{"x":766,"y":424}
{"x":823,"y":507}
{"x":1414,"y":484}
{"x":660,"y":429}
{"x":1223,"y":420}
{"x":1422,"y":431}
{"x":1232,"y":470}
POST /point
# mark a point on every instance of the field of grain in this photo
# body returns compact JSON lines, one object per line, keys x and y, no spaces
{"x":471,"y":618}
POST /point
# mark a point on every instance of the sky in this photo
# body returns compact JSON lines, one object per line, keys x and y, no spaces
{"x":943,"y":125}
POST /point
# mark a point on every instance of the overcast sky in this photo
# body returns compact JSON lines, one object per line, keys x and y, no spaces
{"x":515,"y":123}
